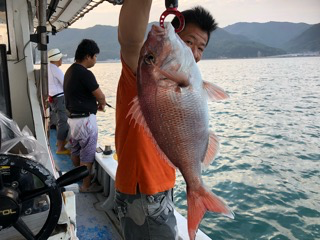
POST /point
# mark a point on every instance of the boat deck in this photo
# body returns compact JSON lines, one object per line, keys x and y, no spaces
{"x":90,"y":222}
{"x":95,"y":216}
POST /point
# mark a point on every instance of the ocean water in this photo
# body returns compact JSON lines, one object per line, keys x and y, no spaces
{"x":268,"y":167}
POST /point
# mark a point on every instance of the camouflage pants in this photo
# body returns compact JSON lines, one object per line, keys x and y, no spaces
{"x":147,"y":217}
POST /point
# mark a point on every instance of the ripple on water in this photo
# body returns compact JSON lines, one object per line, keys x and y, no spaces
{"x":311,"y":156}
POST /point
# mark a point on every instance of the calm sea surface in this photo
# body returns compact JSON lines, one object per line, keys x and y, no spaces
{"x":268,"y":168}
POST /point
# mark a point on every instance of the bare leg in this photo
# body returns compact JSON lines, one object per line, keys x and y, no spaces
{"x":75,"y":160}
{"x":87,"y":180}
{"x":60,"y":146}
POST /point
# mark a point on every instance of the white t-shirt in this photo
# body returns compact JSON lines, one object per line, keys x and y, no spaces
{"x":55,"y":79}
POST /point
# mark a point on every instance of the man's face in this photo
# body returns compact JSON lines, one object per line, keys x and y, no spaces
{"x":195,"y":38}
{"x":92,"y":60}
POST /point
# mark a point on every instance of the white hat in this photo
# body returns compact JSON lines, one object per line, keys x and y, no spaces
{"x":54,"y":54}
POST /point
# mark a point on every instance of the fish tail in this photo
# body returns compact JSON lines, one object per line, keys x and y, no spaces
{"x":199,"y":202}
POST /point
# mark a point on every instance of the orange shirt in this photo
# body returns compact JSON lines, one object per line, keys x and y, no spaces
{"x":138,"y":159}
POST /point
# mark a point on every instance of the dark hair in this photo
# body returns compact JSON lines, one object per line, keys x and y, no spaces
{"x":200,"y":17}
{"x":86,"y":47}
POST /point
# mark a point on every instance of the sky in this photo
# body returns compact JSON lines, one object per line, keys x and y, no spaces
{"x":226,"y":12}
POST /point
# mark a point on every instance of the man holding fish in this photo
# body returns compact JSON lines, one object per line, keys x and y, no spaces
{"x":162,"y":122}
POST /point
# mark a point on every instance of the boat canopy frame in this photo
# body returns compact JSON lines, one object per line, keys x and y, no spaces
{"x":63,"y":13}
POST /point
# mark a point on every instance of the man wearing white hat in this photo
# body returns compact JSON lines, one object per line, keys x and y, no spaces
{"x":56,"y":98}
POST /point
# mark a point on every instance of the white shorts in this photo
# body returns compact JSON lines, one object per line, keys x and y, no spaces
{"x":84,"y":137}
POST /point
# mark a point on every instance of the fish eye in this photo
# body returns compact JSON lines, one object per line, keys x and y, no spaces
{"x":149,"y":59}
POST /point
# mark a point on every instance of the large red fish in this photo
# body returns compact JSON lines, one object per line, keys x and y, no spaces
{"x":172,"y":107}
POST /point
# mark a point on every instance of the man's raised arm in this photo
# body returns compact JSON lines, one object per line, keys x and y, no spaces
{"x":133,"y":21}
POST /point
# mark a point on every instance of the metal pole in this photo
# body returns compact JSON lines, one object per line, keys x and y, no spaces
{"x":42,"y":46}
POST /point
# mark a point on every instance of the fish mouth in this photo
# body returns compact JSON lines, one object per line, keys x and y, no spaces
{"x":157,"y":30}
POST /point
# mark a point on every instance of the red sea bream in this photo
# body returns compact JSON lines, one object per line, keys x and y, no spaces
{"x":172,"y":107}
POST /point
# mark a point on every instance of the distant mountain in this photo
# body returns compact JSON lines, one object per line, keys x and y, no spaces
{"x":273,"y":34}
{"x":105,"y":36}
{"x":226,"y":45}
{"x":240,"y":40}
{"x":308,"y":41}
{"x":222,"y":44}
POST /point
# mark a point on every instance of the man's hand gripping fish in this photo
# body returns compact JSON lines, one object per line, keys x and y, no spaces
{"x":172,"y":108}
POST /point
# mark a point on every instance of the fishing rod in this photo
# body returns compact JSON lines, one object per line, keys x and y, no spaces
{"x":110,"y":106}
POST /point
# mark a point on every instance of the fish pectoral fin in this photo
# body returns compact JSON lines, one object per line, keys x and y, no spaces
{"x":200,"y":201}
{"x":212,"y":151}
{"x":215,"y":93}
{"x":181,"y":79}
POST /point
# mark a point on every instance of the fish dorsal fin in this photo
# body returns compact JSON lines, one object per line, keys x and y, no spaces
{"x":215,"y":93}
{"x":180,"y":78}
{"x":213,"y":148}
{"x":137,"y":116}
